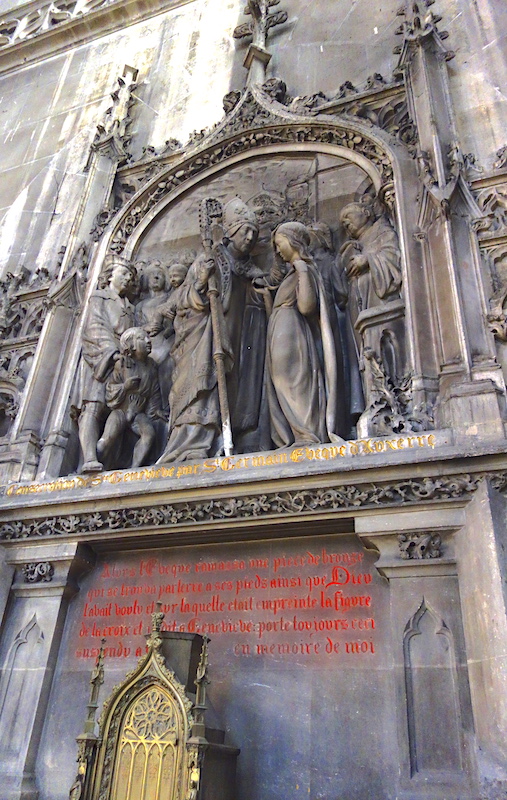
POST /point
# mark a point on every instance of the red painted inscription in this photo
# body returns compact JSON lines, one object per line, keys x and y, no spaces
{"x":280,"y":600}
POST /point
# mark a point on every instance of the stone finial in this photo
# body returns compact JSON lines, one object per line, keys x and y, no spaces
{"x":419,"y":23}
{"x":257,"y":57}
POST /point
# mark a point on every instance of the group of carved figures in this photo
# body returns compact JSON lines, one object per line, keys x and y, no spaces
{"x":224,"y":349}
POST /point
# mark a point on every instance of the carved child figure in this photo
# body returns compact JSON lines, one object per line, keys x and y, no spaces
{"x":133,"y":395}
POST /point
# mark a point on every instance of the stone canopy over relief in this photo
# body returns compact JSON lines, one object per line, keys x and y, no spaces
{"x":261,"y":310}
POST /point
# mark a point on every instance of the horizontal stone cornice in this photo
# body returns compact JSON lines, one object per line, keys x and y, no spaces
{"x":218,"y":506}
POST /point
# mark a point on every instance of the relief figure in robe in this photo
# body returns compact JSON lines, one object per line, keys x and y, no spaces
{"x":371,"y":257}
{"x":133,"y":395}
{"x":110,"y":314}
{"x":302,"y":375}
{"x":194,"y":422}
{"x":246,"y":322}
{"x":351,"y":400}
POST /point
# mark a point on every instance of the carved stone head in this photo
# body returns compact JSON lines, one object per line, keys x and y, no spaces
{"x":120,"y":274}
{"x":136,"y":343}
{"x":321,"y":236}
{"x":356,"y":217}
{"x":230,"y":101}
{"x":292,"y":241}
{"x":176,"y":275}
{"x":156,"y":278}
{"x":240,"y":226}
{"x":276,"y":89}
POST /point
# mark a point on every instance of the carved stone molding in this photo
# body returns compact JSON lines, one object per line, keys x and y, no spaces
{"x":286,"y":504}
{"x":420,"y":545}
{"x":251,"y":125}
{"x":112,"y":137}
{"x":38,"y":572}
{"x":492,"y":201}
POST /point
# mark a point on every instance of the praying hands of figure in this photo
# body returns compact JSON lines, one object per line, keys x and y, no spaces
{"x":357,"y":265}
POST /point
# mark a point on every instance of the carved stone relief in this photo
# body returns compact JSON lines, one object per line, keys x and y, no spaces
{"x":175,"y":307}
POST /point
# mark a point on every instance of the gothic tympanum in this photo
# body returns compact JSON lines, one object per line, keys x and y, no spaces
{"x":288,"y":353}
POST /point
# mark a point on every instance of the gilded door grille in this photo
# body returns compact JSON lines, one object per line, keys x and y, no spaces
{"x":148,"y":759}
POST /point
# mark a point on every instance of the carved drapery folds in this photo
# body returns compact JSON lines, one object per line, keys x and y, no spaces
{"x":261,"y":117}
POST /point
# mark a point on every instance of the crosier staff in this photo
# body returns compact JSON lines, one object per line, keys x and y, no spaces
{"x":210,"y":214}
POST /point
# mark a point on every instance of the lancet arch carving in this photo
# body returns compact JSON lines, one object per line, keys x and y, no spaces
{"x":144,"y":729}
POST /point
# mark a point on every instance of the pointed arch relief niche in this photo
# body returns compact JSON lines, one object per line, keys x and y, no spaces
{"x":289,"y":378}
{"x":144,"y":741}
{"x":310,"y":188}
{"x":433,"y":713}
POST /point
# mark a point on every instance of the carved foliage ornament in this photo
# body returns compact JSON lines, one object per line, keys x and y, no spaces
{"x":497,"y":318}
{"x":420,"y":23}
{"x":42,"y":571}
{"x":501,"y":158}
{"x":391,"y":406}
{"x":261,"y":21}
{"x":270,"y":504}
{"x":493,"y":203}
{"x":48,"y":16}
{"x":420,"y":545}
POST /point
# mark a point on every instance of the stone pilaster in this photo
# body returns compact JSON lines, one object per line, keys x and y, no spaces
{"x":45,"y":579}
{"x":482,"y":574}
{"x":431,"y":690}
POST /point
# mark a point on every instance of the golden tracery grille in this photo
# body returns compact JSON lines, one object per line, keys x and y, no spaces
{"x":148,"y":760}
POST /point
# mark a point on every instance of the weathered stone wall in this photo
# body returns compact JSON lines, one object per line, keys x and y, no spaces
{"x":187,"y":60}
{"x":415,"y":700}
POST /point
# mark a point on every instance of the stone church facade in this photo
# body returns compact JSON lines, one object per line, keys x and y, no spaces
{"x":253,"y":400}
